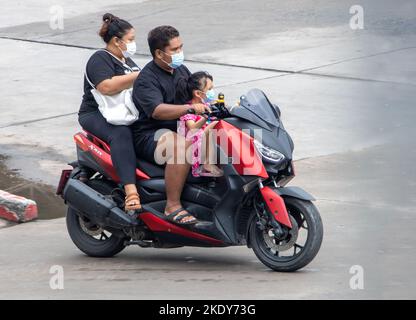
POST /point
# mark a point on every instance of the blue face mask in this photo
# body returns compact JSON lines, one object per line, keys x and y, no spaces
{"x":210,"y":94}
{"x":177,"y":60}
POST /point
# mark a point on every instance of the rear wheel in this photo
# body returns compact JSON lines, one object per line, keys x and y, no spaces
{"x":89,"y":237}
{"x":297,"y":246}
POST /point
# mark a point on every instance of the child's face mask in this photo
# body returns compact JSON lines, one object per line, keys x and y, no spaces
{"x":210,"y":95}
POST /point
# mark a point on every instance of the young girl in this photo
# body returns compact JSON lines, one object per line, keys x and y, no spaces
{"x":196,"y":127}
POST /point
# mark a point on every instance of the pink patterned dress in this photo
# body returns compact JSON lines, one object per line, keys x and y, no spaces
{"x":196,"y":137}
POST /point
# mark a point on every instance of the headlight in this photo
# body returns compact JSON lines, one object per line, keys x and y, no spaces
{"x":267,"y":153}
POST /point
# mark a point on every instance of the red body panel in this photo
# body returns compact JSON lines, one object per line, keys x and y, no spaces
{"x":100,"y":143}
{"x":157,"y":224}
{"x":62,"y":181}
{"x":276,"y":205}
{"x":100,"y":151}
{"x":241,"y":148}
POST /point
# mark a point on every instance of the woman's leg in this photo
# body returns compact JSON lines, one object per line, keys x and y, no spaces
{"x":123,"y":156}
{"x":124,"y":160}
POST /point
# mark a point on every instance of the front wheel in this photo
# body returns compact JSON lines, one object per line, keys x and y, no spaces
{"x":298,"y":246}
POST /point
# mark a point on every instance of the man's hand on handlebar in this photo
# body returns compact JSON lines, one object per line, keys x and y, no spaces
{"x":209,"y":111}
{"x":200,"y":108}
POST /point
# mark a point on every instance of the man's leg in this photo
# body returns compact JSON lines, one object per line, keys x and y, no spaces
{"x":172,"y":149}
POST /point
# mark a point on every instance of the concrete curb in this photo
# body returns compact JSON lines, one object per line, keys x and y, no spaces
{"x":6,"y":224}
{"x":17,"y":209}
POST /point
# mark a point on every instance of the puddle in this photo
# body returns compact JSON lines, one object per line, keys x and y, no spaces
{"x":50,"y":206}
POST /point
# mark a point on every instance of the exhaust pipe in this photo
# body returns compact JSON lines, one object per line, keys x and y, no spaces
{"x":96,"y":206}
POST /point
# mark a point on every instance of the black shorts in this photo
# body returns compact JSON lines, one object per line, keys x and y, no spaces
{"x":145,"y":146}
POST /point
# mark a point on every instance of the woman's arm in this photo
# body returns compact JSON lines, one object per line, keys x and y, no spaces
{"x":117,"y":84}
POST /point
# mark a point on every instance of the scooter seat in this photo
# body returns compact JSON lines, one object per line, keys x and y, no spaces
{"x":156,"y":171}
{"x":151,"y":169}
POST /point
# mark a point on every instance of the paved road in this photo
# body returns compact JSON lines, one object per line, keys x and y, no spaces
{"x":347,"y":97}
{"x":363,"y":226}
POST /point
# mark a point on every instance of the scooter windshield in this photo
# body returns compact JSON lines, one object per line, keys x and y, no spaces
{"x":259,"y":106}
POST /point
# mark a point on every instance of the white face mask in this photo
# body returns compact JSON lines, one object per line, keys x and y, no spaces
{"x":130,"y":49}
{"x":177,"y":59}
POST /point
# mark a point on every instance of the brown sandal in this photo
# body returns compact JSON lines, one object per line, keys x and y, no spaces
{"x":132,"y":202}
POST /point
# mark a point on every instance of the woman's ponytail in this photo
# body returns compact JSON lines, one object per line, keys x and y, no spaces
{"x":113,"y":27}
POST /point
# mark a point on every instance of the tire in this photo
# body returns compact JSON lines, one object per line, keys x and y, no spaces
{"x":310,"y":248}
{"x":86,"y":242}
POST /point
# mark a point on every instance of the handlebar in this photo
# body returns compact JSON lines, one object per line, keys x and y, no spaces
{"x":217,"y":110}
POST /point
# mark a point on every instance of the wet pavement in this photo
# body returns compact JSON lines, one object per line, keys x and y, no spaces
{"x":50,"y":206}
{"x":363,"y":225}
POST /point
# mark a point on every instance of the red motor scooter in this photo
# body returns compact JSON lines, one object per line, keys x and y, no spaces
{"x":249,"y":205}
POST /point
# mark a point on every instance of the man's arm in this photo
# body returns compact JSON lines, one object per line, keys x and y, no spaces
{"x":147,"y":93}
{"x":166,"y":111}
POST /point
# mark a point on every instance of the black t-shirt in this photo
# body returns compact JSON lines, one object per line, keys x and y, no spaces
{"x":102,"y":66}
{"x":153,"y":87}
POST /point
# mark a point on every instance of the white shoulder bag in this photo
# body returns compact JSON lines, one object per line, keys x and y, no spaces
{"x":119,"y":108}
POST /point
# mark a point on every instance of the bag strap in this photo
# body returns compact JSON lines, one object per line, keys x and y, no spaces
{"x":86,"y":77}
{"x":123,"y":63}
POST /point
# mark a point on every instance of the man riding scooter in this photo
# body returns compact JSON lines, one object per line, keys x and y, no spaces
{"x":249,"y":204}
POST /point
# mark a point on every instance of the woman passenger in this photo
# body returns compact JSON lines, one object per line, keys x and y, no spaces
{"x":112,"y":70}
